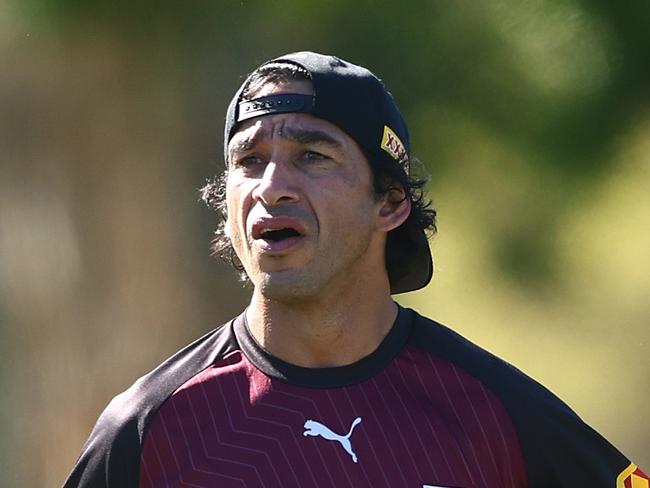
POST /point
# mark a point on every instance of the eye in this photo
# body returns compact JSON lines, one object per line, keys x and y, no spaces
{"x":314,"y":156}
{"x":247,"y":161}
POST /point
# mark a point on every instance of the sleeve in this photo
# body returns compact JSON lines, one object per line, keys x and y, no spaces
{"x":111,"y":456}
{"x":561,"y":450}
{"x":574,"y":455}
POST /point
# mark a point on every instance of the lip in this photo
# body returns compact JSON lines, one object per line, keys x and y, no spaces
{"x":263,"y":224}
{"x":277,"y":246}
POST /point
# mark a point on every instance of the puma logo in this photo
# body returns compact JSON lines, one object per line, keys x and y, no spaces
{"x":315,"y":428}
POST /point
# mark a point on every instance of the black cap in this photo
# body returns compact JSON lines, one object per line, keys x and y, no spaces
{"x":355,"y":100}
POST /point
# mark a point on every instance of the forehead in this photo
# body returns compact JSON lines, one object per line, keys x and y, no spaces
{"x":295,"y":127}
{"x":300,"y":127}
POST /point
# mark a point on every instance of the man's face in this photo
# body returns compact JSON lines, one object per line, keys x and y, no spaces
{"x":301,"y":208}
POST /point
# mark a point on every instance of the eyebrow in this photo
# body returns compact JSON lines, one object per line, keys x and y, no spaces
{"x":299,"y":134}
{"x":307,"y":136}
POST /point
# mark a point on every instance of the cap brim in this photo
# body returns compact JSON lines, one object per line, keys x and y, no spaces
{"x":419,"y":268}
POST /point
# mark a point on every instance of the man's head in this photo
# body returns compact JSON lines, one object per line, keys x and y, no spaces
{"x":343,"y":117}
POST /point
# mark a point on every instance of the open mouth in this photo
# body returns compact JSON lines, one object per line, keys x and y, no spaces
{"x":277,"y":235}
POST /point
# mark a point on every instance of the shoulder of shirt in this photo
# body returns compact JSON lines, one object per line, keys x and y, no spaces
{"x":558,"y":447}
{"x":110,"y":456}
{"x":498,"y":375}
{"x":151,"y":390}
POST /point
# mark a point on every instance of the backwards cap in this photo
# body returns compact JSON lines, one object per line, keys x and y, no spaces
{"x":355,"y":100}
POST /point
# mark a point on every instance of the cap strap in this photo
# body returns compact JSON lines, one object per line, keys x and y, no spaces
{"x":272,"y":104}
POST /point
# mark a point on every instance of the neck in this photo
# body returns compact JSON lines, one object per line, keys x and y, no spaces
{"x":325,"y":331}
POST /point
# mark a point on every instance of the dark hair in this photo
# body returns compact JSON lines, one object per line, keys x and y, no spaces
{"x":386,"y":178}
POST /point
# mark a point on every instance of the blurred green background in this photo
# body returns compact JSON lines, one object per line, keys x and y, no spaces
{"x":532,"y":117}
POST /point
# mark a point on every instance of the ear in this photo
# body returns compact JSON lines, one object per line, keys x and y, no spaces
{"x":394,"y":209}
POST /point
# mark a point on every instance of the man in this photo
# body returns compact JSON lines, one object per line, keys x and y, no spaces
{"x":324,"y":380}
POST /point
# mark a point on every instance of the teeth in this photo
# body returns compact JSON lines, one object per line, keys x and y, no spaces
{"x":266,"y":230}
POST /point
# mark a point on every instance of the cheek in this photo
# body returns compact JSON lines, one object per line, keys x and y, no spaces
{"x":235,"y":196}
{"x":234,"y":227}
{"x":238,"y":205}
{"x":349,"y":211}
{"x":235,"y":232}
{"x":226,"y":228}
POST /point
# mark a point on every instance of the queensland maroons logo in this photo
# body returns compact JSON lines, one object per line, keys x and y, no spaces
{"x":393,"y":145}
{"x":632,"y":477}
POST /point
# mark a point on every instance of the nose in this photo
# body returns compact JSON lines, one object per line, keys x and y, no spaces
{"x":277,"y":185}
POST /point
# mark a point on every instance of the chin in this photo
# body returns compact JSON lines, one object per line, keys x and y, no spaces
{"x":287,"y":286}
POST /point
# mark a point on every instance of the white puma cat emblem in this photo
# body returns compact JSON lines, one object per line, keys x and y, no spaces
{"x":317,"y":429}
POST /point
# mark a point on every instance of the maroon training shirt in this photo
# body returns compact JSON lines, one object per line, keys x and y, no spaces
{"x":426,"y":409}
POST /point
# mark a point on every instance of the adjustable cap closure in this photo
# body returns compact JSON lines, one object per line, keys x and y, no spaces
{"x":275,"y":104}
